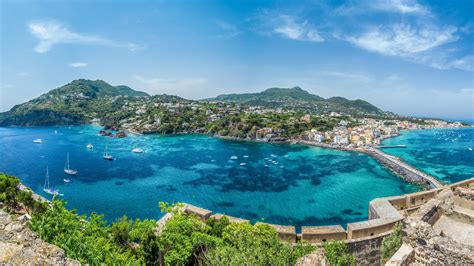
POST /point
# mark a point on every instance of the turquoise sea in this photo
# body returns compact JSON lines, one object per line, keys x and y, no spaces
{"x":447,"y":154}
{"x":276,"y":183}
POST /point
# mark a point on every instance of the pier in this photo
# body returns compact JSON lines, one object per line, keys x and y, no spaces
{"x":405,"y":170}
{"x":391,"y":146}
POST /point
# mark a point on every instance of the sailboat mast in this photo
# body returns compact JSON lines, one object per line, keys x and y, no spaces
{"x":46,"y":181}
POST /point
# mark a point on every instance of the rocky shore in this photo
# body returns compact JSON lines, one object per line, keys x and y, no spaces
{"x":20,"y":246}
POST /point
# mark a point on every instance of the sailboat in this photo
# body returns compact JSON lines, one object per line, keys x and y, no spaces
{"x":137,"y":150}
{"x":46,"y":187}
{"x":106,"y":155}
{"x":68,"y":170}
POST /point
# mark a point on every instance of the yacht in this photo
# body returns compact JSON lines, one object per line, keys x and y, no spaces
{"x":90,"y":146}
{"x":137,"y":150}
{"x":46,"y":187}
{"x":107,"y":156}
{"x":38,"y":141}
{"x":67,"y":168}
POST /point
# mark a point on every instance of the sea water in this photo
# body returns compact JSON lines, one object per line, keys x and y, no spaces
{"x":447,"y":154}
{"x":275,"y":183}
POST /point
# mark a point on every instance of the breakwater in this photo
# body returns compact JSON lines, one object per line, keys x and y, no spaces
{"x":402,"y":169}
{"x":406,"y":171}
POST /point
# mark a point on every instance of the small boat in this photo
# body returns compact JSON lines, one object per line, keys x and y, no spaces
{"x":67,"y":168}
{"x":469,"y":148}
{"x":46,"y":187}
{"x":89,"y":146}
{"x":38,"y":141}
{"x":67,"y":180}
{"x":137,"y":150}
{"x":234,"y":157}
{"x":56,"y":132}
{"x":243,"y":164}
{"x":107,"y":156}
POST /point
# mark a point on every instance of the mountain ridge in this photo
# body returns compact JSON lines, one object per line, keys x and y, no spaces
{"x":296,"y":97}
{"x":73,"y":103}
{"x":79,"y":101}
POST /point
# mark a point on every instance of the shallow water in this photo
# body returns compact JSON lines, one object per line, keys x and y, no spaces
{"x":276,"y":183}
{"x":447,"y":154}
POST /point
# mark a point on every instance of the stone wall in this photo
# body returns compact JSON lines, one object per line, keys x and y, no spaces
{"x":367,"y":250}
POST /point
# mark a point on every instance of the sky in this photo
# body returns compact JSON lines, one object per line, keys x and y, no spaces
{"x":406,"y":56}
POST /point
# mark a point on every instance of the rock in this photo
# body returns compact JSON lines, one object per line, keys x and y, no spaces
{"x":20,"y":246}
{"x":18,"y":227}
{"x":318,"y":257}
{"x":24,"y":218}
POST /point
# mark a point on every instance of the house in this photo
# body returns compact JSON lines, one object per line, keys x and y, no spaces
{"x":306,"y":118}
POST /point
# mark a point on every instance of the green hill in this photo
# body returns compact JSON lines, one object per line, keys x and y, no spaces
{"x":74,"y":103}
{"x":298,"y":98}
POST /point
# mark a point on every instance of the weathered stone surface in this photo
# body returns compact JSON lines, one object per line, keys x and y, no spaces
{"x":316,"y":258}
{"x":431,"y":245}
{"x":20,"y":246}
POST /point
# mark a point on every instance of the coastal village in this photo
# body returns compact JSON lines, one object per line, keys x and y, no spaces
{"x":265,"y":124}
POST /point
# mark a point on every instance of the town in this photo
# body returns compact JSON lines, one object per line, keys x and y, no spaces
{"x":258,"y":123}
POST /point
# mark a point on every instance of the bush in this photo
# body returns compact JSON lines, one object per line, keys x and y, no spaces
{"x":336,"y":252}
{"x":391,"y":243}
{"x":245,"y":244}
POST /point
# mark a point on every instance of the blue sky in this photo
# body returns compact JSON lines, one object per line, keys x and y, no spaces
{"x":406,"y":56}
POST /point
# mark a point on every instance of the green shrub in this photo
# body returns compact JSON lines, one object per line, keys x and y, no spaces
{"x":245,"y":244}
{"x":336,"y":252}
{"x":391,"y":243}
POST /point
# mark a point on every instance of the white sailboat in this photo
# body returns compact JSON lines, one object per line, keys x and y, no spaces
{"x":67,"y":169}
{"x":46,"y":187}
{"x":106,"y":155}
{"x":136,"y":149}
{"x":38,"y":141}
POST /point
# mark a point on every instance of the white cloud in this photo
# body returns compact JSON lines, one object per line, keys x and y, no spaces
{"x":287,"y":27}
{"x":170,"y":85}
{"x":389,"y":6}
{"x":50,"y":33}
{"x":399,"y":6}
{"x":403,"y":40}
{"x":78,"y":64}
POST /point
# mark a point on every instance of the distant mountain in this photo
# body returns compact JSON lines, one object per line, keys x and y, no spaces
{"x":298,"y":98}
{"x":74,"y":103}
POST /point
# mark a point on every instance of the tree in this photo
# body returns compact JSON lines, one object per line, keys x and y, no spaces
{"x":121,"y":231}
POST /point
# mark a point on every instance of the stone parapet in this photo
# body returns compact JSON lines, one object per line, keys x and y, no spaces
{"x":403,"y":257}
{"x":232,"y":219}
{"x":318,"y":234}
{"x":285,"y":232}
{"x":199,"y":212}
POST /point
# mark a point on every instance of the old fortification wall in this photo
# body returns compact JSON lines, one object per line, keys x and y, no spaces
{"x":383,"y":214}
{"x":364,"y":239}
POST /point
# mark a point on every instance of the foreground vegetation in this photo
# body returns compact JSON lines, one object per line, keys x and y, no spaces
{"x":184,"y":240}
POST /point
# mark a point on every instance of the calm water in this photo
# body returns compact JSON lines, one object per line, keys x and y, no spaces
{"x":447,"y":154}
{"x":283,"y":184}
